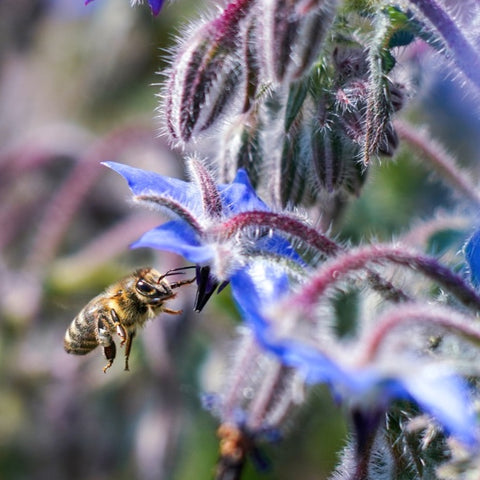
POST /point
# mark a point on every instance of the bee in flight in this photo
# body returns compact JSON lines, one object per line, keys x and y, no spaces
{"x":119,"y":310}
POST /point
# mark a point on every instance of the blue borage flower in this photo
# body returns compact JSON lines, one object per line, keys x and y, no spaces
{"x":260,"y":286}
{"x":155,"y":5}
{"x":199,"y":206}
{"x":472,"y":255}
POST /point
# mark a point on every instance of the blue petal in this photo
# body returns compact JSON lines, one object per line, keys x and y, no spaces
{"x":144,"y":182}
{"x":472,"y":255}
{"x":178,"y":237}
{"x":156,"y":6}
{"x":240,"y":196}
{"x":445,"y":397}
{"x":260,"y":285}
{"x":256,"y":286}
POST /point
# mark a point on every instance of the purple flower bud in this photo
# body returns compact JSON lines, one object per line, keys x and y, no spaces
{"x":293,"y":33}
{"x":205,"y":74}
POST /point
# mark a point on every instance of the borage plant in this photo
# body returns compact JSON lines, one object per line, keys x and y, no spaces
{"x":296,"y":100}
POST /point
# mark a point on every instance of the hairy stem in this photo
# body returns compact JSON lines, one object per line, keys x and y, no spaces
{"x":443,"y":163}
{"x":358,"y":259}
{"x":442,"y":317}
{"x":464,"y":55}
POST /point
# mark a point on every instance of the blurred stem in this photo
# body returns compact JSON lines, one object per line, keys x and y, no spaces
{"x":60,"y":211}
{"x":264,"y":396}
{"x":310,"y":237}
{"x":249,"y":351}
{"x":442,"y":317}
{"x":443,"y":163}
{"x":420,"y":233}
{"x":357,"y":259}
{"x":464,"y":55}
{"x":69,"y":272}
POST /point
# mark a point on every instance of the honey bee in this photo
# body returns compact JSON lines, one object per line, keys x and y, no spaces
{"x":120,"y":310}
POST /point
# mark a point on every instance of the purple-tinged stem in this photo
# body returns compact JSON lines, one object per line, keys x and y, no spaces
{"x":307,"y":235}
{"x":464,"y":55}
{"x":211,"y":201}
{"x":264,"y":396}
{"x":168,"y":203}
{"x":239,"y":374}
{"x":426,"y":315}
{"x":357,"y":259}
{"x":105,"y":246}
{"x":283,"y":223}
{"x":59,"y":212}
{"x":443,"y":163}
{"x":420,"y":233}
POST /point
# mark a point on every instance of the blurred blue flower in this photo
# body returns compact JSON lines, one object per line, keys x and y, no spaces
{"x":155,"y":5}
{"x":472,"y":255}
{"x":199,"y":206}
{"x":260,"y":286}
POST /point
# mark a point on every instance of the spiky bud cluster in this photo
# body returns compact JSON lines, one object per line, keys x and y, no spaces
{"x":302,"y":95}
{"x":299,"y":102}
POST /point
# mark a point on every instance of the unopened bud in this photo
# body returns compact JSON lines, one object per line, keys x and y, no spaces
{"x":334,"y":156}
{"x":205,"y":75}
{"x":293,"y":33}
{"x":295,"y":168}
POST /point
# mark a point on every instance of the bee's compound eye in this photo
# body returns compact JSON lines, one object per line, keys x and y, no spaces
{"x":144,"y":288}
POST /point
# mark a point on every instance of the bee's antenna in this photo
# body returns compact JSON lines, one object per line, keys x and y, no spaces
{"x":175,"y":271}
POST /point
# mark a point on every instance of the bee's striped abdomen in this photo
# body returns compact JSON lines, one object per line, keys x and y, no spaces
{"x":80,"y":337}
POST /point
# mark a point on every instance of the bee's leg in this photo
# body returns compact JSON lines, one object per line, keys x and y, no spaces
{"x":128,"y":347}
{"x":172,"y":312}
{"x":182,"y":282}
{"x":121,"y":332}
{"x":106,"y":341}
{"x":110,"y":353}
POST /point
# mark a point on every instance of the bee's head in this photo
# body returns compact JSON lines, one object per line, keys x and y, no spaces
{"x":151,"y":287}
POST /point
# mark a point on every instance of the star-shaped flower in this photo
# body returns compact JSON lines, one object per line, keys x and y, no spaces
{"x":472,"y":255}
{"x":261,"y":286}
{"x":199,"y":207}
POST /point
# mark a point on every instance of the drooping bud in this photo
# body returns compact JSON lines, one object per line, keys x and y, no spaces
{"x":251,"y":66}
{"x":293,"y":34}
{"x":328,"y":159}
{"x":295,"y":168}
{"x":205,"y":75}
{"x":334,"y":158}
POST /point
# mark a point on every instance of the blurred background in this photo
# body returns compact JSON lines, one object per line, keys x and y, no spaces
{"x":77,"y":87}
